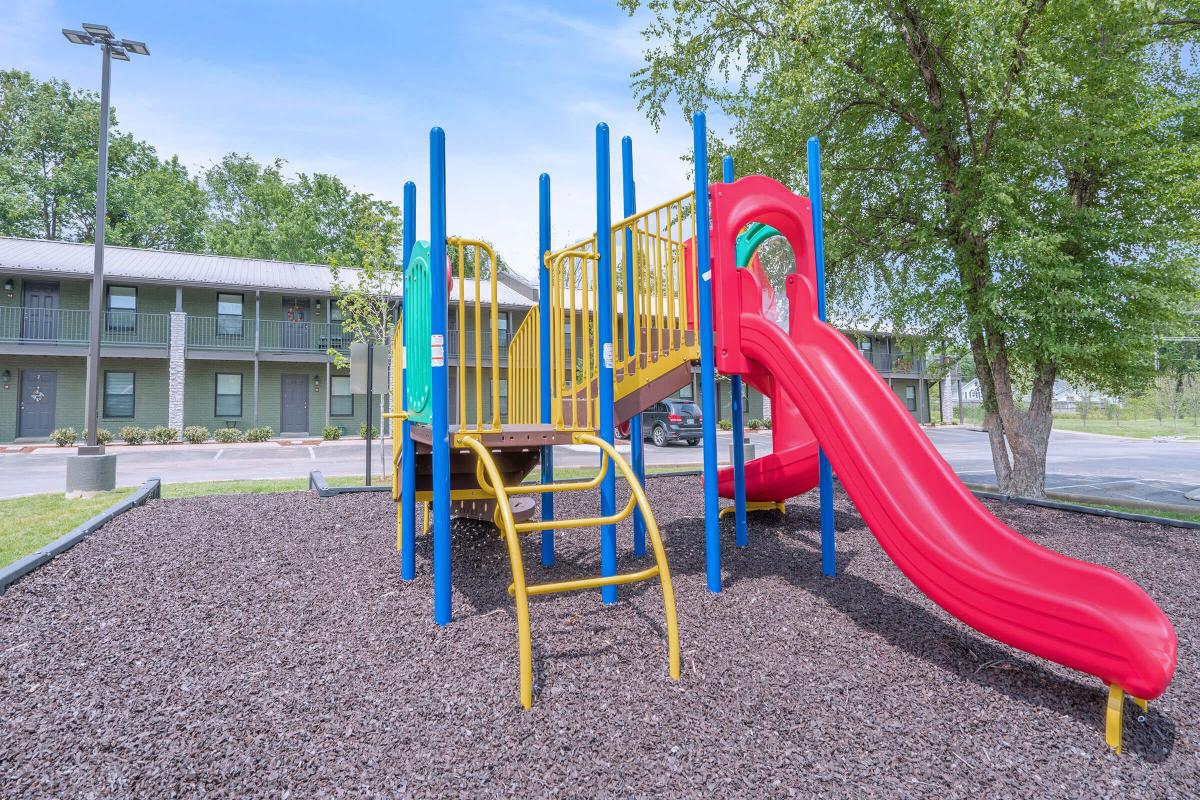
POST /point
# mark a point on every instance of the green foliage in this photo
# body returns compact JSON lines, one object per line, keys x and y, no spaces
{"x":228,"y":435}
{"x":755,"y":424}
{"x":160,"y":434}
{"x":725,"y":424}
{"x":195,"y":434}
{"x":331,"y":433}
{"x":260,"y":434}
{"x":362,"y":431}
{"x":48,"y":135}
{"x":132,"y":434}
{"x":766,"y":422}
{"x":63,"y":437}
{"x":103,"y":436}
{"x":1018,"y":177}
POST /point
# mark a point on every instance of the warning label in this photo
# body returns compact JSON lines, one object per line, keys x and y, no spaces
{"x":437,"y":350}
{"x":608,"y":356}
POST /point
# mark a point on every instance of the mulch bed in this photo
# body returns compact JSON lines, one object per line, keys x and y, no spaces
{"x":265,"y":645}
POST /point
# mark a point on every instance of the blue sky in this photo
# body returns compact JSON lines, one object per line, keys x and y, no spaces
{"x":352,"y":88}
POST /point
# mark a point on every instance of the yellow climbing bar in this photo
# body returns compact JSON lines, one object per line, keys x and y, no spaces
{"x":491,"y":483}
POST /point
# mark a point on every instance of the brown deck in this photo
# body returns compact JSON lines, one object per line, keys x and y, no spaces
{"x":510,"y":437}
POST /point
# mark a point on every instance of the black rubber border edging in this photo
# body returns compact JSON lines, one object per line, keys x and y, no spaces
{"x":151,"y":490}
{"x":317,"y":483}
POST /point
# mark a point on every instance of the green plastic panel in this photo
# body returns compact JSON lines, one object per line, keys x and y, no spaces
{"x":418,"y":306}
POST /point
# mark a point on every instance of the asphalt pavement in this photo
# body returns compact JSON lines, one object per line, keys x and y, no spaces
{"x":1080,"y":463}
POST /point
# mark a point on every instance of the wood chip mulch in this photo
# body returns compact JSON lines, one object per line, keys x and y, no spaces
{"x":264,"y":645}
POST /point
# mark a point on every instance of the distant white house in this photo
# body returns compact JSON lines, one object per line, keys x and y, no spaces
{"x":1066,"y":396}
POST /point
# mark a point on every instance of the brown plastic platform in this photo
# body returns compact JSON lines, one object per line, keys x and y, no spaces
{"x":510,"y":437}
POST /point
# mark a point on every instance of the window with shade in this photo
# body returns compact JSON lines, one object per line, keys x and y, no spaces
{"x":341,"y":400}
{"x":118,"y":395}
{"x":229,"y":394}
{"x":121,"y":308}
{"x":230,"y":308}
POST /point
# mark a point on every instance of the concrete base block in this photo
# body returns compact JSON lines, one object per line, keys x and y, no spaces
{"x":747,"y":448}
{"x":89,"y":475}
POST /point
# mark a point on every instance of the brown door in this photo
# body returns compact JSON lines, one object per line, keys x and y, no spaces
{"x":35,"y":414}
{"x":40,"y":318}
{"x":295,"y":324}
{"x":293,"y":398}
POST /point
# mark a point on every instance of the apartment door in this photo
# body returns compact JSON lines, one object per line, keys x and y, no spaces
{"x":295,"y":326}
{"x":293,"y":398}
{"x":40,"y":318}
{"x":35,"y":413}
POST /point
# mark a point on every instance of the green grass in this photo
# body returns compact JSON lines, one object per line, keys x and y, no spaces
{"x":28,"y":523}
{"x":174,"y":491}
{"x":1183,"y":516}
{"x":1137,"y":428}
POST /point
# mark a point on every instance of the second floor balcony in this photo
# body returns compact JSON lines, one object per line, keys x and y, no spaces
{"x":265,"y":335}
{"x":895,"y":363}
{"x":68,"y":327}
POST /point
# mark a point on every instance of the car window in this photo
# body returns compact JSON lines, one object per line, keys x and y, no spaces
{"x":687,"y":409}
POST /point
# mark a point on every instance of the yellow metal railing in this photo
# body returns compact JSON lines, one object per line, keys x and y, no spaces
{"x":474,"y":306}
{"x":491,"y":482}
{"x":525,"y":373}
{"x":653,"y":243}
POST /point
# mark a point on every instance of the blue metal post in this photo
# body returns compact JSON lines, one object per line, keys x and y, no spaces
{"x":604,"y":335}
{"x":637,"y":445}
{"x":544,"y":345}
{"x":440,"y":394}
{"x":708,"y":387}
{"x":408,"y":471}
{"x":825,"y":471}
{"x":739,"y":429}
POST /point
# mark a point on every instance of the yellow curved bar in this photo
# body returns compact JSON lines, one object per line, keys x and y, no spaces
{"x":660,"y":554}
{"x":579,"y":522}
{"x":588,"y":583}
{"x":544,"y":488}
{"x":524,"y":644}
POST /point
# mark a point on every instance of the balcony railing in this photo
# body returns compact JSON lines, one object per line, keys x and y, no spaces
{"x":220,"y":333}
{"x":503,"y":338}
{"x":69,"y":327}
{"x":890,"y":363}
{"x":285,"y":336}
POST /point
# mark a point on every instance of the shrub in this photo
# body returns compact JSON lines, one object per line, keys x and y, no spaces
{"x":195,"y":434}
{"x":331,"y":432}
{"x":766,"y":423}
{"x":63,"y":436}
{"x":260,"y":434}
{"x":132,"y":434}
{"x":102,"y":436}
{"x":160,"y":434}
{"x":362,"y":431}
{"x":755,"y":425}
{"x":725,"y":424}
{"x":227,"y":435}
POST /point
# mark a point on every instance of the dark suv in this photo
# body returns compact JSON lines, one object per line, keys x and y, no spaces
{"x":673,"y":420}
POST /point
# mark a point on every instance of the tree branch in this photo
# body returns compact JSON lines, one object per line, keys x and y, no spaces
{"x":1035,"y":8}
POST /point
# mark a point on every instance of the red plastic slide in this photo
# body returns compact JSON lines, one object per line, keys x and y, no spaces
{"x":1081,"y":615}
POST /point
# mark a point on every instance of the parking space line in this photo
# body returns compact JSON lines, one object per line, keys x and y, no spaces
{"x":218,"y":455}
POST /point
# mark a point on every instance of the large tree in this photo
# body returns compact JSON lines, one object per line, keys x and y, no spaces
{"x":1017,"y":175}
{"x":48,"y":138}
{"x":258,"y":211}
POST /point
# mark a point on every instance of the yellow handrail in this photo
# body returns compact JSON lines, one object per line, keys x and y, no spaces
{"x":521,"y":592}
{"x":525,"y":372}
{"x":464,"y":252}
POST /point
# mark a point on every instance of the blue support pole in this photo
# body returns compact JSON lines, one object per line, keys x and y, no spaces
{"x":637,"y":445}
{"x":708,"y":387}
{"x":739,"y":429}
{"x":825,"y":471}
{"x":604,"y":335}
{"x":408,"y":471}
{"x":441,"y":423}
{"x":544,"y":346}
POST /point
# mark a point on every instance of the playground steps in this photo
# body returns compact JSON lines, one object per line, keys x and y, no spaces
{"x":636,"y":396}
{"x":493,"y":484}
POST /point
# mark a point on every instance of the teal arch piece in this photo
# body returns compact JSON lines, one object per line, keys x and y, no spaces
{"x":748,"y":243}
{"x":417,"y":328}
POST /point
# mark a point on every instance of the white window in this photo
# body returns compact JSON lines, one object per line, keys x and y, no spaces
{"x":229,"y":314}
{"x":229,"y":394}
{"x":122,"y":308}
{"x":341,"y":401}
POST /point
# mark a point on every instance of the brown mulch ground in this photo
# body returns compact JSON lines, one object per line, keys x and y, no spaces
{"x":265,"y":645}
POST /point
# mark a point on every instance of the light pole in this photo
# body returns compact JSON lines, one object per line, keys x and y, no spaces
{"x":111,"y":48}
{"x":92,"y":473}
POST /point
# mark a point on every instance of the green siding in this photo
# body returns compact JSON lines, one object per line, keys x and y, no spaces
{"x":150,"y":391}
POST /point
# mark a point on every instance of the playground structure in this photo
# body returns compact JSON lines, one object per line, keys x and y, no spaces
{"x":622,"y":317}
